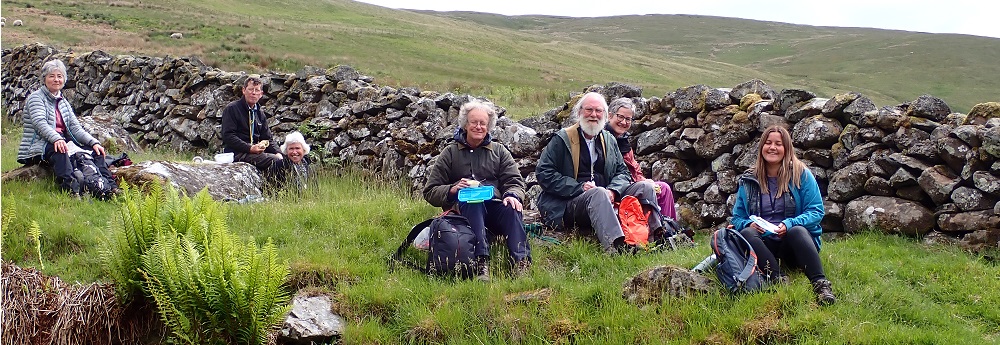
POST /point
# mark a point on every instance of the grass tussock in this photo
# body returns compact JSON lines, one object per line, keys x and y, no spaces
{"x":40,"y":309}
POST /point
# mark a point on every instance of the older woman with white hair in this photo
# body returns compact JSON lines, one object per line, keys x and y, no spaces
{"x":294,"y":167}
{"x":473,"y":160}
{"x":52,"y":132}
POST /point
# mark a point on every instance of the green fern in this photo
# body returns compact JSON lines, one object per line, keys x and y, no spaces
{"x":209,"y":286}
{"x":35,"y":232}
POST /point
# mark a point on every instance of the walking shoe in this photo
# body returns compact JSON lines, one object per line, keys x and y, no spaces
{"x":483,"y":269}
{"x":824,"y":292}
{"x":522,"y":267}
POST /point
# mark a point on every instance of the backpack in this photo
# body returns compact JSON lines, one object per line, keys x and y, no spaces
{"x":88,"y":179}
{"x":451,"y":246}
{"x":634,"y":223}
{"x":737,"y":262}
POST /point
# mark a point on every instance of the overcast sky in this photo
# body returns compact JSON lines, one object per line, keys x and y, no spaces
{"x":972,"y":17}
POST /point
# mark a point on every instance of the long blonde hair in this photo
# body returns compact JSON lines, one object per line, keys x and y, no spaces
{"x":791,"y":167}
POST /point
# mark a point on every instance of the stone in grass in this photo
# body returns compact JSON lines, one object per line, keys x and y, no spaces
{"x":649,"y":286}
{"x":311,"y":321}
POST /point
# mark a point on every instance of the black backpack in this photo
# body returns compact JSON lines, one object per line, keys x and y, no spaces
{"x":737,"y":262}
{"x":88,"y":179}
{"x":451,"y":247}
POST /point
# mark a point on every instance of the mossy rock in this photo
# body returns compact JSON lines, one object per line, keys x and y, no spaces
{"x":982,"y":112}
{"x":749,"y":100}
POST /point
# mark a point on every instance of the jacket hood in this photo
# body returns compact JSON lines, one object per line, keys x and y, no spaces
{"x":460,"y":137}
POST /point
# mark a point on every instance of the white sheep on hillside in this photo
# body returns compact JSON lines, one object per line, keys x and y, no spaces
{"x":18,"y":22}
{"x":3,"y":19}
{"x":177,"y":35}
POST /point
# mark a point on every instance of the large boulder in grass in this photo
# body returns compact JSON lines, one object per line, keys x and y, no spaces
{"x":648,"y":287}
{"x":888,"y":214}
{"x":227,"y":182}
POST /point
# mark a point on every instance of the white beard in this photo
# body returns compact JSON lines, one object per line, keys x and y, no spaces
{"x":592,"y":129}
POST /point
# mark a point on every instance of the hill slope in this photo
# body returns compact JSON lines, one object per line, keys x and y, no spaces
{"x":527,"y":64}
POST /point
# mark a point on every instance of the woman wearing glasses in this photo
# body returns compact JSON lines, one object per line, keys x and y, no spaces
{"x":622,"y":112}
{"x":471,"y":160}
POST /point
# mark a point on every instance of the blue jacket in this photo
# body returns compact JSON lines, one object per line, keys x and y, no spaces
{"x":807,"y":211}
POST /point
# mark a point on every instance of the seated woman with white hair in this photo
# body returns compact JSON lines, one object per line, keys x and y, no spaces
{"x":294,"y":167}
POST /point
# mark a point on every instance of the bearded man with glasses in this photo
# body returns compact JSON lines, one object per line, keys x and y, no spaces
{"x":582,"y":174}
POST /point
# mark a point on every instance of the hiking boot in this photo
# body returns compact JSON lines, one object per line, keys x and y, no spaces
{"x":522,"y":268}
{"x":824,"y":292}
{"x":483,"y":269}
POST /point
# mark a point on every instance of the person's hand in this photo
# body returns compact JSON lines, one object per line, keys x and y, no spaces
{"x":256,"y":149}
{"x":461,"y":184}
{"x":611,"y":195}
{"x":759,"y":229}
{"x":513,"y":203}
{"x":781,"y":229}
{"x":278,"y":155}
{"x":99,"y":150}
{"x":60,"y":146}
{"x":588,"y":185}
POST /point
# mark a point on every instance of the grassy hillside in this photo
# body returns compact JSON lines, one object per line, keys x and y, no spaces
{"x":889,"y":66}
{"x":527,"y":64}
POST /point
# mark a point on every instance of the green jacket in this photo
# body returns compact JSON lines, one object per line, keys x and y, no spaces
{"x":491,"y":164}
{"x":558,"y":167}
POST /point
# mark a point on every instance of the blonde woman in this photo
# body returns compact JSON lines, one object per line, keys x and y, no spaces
{"x":781,"y":190}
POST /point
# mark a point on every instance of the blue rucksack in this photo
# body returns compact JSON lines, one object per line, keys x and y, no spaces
{"x":737,"y":262}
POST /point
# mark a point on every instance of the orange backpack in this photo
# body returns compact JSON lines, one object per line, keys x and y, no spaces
{"x":634,"y":222}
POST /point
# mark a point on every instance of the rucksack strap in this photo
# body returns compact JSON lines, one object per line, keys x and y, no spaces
{"x":410,"y":237}
{"x":751,"y":264}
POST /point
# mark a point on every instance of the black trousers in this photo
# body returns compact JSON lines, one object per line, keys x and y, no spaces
{"x":796,"y":249}
{"x":264,"y":162}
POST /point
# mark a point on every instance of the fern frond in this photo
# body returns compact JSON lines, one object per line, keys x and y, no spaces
{"x":35,"y":232}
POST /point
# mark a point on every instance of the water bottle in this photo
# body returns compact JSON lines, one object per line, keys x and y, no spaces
{"x":704,"y":265}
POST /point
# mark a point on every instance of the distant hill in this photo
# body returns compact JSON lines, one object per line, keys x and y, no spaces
{"x":529,"y":63}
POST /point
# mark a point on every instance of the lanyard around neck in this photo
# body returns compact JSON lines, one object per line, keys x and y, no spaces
{"x":250,"y":123}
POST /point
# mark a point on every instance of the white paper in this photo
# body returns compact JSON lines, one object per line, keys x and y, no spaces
{"x":766,"y":225}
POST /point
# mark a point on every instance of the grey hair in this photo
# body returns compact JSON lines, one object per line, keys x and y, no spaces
{"x":575,"y":114}
{"x":253,"y":78}
{"x":623,"y":102}
{"x":52,"y":66}
{"x":463,"y":113}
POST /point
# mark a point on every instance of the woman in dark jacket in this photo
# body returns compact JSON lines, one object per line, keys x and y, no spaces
{"x":472,"y":160}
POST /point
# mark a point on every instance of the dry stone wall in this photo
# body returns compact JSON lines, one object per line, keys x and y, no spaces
{"x":909,"y":168}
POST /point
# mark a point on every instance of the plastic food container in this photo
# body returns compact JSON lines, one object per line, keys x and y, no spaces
{"x":474,"y":195}
{"x":224,"y":157}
